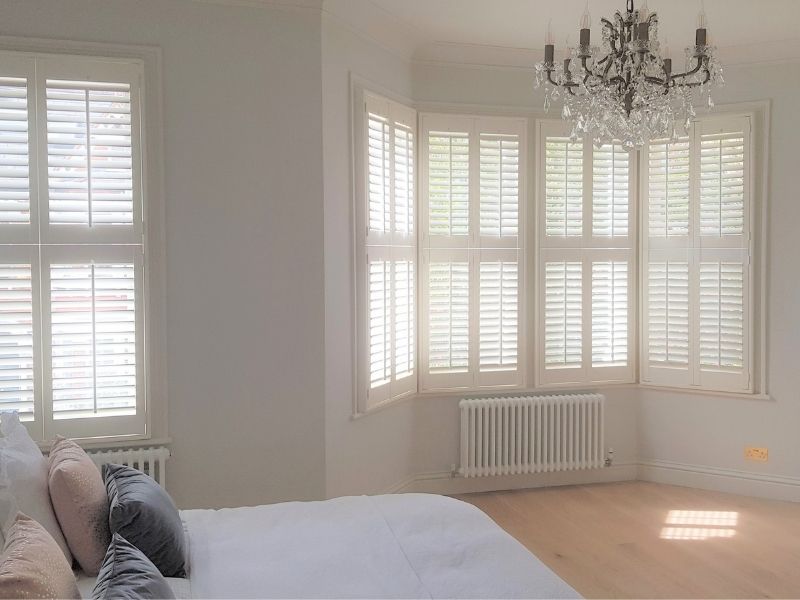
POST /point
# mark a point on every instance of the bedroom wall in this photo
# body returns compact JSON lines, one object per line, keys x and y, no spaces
{"x":371,"y":454}
{"x":244,"y":260}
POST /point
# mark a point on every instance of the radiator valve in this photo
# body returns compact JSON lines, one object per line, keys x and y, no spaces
{"x":609,"y":457}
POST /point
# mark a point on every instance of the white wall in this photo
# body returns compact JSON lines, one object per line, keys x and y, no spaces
{"x":244,"y":229}
{"x":371,"y":454}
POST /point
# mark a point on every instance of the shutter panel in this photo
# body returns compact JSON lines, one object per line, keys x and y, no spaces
{"x":448,"y":317}
{"x":403,"y":179}
{"x":380,"y":336}
{"x":15,"y":189}
{"x":610,"y":191}
{"x":93,"y":340}
{"x":448,"y":183}
{"x":668,"y":188}
{"x":499,"y":185}
{"x":89,"y":153}
{"x":404,"y":319}
{"x":563,"y":306}
{"x":499,"y":316}
{"x":668,"y":313}
{"x":610,"y":314}
{"x":378,"y":174}
{"x":722,"y":322}
{"x":722,"y":189}
{"x":16,"y":340}
{"x":563,"y":180}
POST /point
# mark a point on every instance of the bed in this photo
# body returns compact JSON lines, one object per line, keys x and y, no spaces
{"x":393,"y":546}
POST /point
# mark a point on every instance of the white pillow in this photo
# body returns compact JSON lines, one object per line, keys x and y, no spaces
{"x":23,"y":481}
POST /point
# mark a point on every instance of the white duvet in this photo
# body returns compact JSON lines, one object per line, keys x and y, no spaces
{"x":397,"y":546}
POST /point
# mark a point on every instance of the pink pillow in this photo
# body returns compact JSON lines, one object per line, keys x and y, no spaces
{"x":32,"y":565}
{"x":80,"y":503}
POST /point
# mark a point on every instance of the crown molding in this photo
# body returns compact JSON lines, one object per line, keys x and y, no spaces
{"x":449,"y":54}
{"x":306,"y":4}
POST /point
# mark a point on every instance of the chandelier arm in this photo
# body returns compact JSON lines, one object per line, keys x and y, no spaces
{"x":692,"y":84}
{"x":700,"y":60}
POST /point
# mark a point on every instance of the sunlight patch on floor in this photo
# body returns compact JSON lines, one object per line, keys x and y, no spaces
{"x":699,"y":524}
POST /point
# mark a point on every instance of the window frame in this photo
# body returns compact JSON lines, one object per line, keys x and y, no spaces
{"x":147,"y":230}
{"x":474,"y":247}
{"x":693,"y":379}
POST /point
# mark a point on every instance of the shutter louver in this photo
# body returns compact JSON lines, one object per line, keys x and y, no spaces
{"x":448,"y":317}
{"x":404,"y":319}
{"x":89,"y":151}
{"x":722,"y":184}
{"x":563,"y":187}
{"x":721,"y":333}
{"x":16,"y":340}
{"x":668,"y":313}
{"x":14,"y":152}
{"x":378,"y":174}
{"x":448,"y":183}
{"x":610,"y":183}
{"x":403,"y":180}
{"x":610,"y":313}
{"x":499,"y":310}
{"x":499,"y":175}
{"x":380,"y":336}
{"x":563,"y":311}
{"x":668,"y":188}
{"x":93,"y":345}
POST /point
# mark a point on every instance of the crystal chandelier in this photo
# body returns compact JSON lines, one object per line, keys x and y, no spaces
{"x":626,"y":90}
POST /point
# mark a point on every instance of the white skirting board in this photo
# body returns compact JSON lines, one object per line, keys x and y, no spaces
{"x":731,"y":481}
{"x":695,"y":476}
{"x":446,"y":483}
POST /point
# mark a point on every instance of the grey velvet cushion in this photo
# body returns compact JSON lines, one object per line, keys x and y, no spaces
{"x":142,"y":512}
{"x":128,"y":574}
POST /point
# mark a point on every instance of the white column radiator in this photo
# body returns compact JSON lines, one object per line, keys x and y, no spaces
{"x":151,"y":461}
{"x":531,"y":434}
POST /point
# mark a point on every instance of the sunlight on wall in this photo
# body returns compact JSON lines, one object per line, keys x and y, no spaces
{"x":699,"y":524}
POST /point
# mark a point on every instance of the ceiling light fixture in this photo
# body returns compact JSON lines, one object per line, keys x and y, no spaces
{"x":626,"y":90}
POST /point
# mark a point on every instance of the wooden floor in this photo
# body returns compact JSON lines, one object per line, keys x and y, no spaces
{"x":647,"y":540}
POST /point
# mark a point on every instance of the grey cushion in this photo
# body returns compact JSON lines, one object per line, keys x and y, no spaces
{"x":142,"y":512}
{"x":127,"y":574}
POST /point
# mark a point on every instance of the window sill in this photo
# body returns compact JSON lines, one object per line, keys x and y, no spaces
{"x":563,"y":389}
{"x":114,"y":443}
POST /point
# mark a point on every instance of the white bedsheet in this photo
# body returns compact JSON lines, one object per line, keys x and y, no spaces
{"x":395,"y":546}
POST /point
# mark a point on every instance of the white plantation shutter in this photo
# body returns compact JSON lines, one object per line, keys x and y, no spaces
{"x":499,"y":315}
{"x":563,"y":314}
{"x":448,"y":317}
{"x":15,"y":185}
{"x":668,"y":188}
{"x":71,"y":311}
{"x":610,"y":191}
{"x":448,"y":183}
{"x":387,"y":280}
{"x":586,"y":256}
{"x":471,"y":245}
{"x":697,"y":276}
{"x":563,"y":184}
{"x":610,"y":313}
{"x":499,"y":173}
{"x":18,"y":334}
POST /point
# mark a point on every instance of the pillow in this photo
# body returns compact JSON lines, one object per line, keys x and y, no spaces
{"x":32,"y":564}
{"x":80,"y":501}
{"x":128,"y":574}
{"x":23,"y":481}
{"x":142,"y":512}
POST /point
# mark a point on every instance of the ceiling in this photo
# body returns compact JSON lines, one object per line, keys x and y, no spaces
{"x":511,"y":32}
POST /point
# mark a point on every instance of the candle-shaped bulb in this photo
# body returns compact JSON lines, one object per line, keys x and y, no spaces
{"x":586,"y":18}
{"x":548,"y":34}
{"x":644,"y":12}
{"x":666,"y":52}
{"x":702,"y":19}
